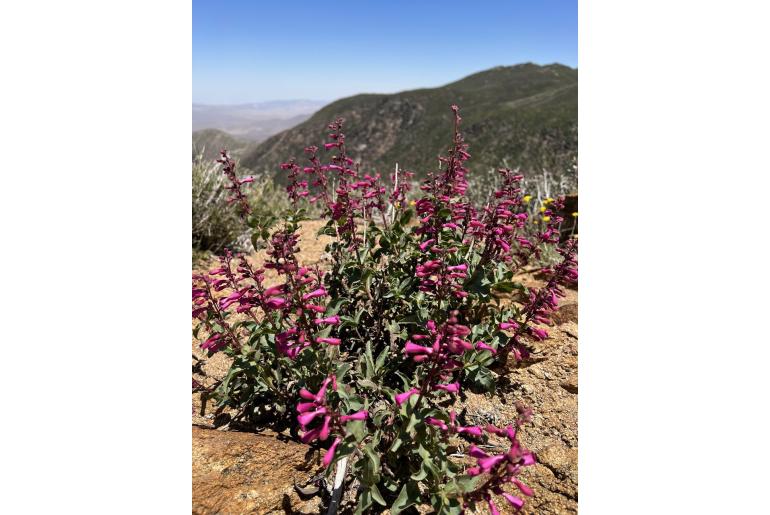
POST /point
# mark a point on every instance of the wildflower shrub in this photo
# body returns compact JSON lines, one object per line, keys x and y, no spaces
{"x":367,"y":357}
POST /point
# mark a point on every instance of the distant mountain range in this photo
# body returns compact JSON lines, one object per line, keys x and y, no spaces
{"x":256,"y":121}
{"x":525,"y":115}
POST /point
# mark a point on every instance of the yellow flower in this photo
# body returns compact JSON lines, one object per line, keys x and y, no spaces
{"x":398,"y":204}
{"x":574,"y":214}
{"x":542,"y":209}
{"x":546,"y":218}
{"x":537,"y":221}
{"x":547,"y":201}
{"x":412,"y":203}
{"x":526,"y":198}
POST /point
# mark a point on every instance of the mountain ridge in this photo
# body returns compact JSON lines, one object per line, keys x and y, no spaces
{"x":525,"y":115}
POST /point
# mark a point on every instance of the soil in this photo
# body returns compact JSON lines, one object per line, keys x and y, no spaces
{"x":235,"y":472}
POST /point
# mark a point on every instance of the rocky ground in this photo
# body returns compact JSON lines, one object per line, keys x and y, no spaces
{"x":238,"y":472}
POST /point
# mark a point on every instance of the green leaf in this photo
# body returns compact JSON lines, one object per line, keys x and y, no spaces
{"x":412,"y":420}
{"x":342,"y":370}
{"x":404,"y":379}
{"x":481,"y":378}
{"x":368,"y":276}
{"x":406,"y":217}
{"x":427,"y":461}
{"x":364,"y":502}
{"x":374,"y":459}
{"x":464,"y":484}
{"x":369,"y":361}
{"x":377,"y":495}
{"x":504,"y":286}
{"x":358,"y":429}
{"x":408,"y":496}
{"x":381,"y":358}
{"x":420,"y":474}
{"x":368,"y":383}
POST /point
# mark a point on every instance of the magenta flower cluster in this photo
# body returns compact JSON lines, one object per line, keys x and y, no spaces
{"x":353,"y":196}
{"x":502,"y":469}
{"x":452,"y":427}
{"x":298,"y":300}
{"x":332,"y":422}
{"x":235,"y":186}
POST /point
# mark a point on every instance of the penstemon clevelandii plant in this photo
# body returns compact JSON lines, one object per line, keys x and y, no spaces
{"x":367,"y":356}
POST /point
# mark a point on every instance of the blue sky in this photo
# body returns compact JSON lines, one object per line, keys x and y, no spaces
{"x":252,"y":51}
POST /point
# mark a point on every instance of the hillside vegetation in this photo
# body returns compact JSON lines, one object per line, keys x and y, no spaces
{"x":523,"y":115}
{"x":210,"y":141}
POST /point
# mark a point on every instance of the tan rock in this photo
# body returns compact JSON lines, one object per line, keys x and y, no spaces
{"x":235,"y":473}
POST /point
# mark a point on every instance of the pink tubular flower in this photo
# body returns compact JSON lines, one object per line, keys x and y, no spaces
{"x":320,"y":292}
{"x":224,"y":303}
{"x":325,"y":429}
{"x":516,"y":502}
{"x":214,"y":343}
{"x":306,"y":418}
{"x":471,"y":430}
{"x":402,"y":397}
{"x":276,"y":303}
{"x":358,"y":415}
{"x":473,"y":471}
{"x":437,"y":422}
{"x":484,"y":346}
{"x":528,"y":458}
{"x":274,"y":290}
{"x":332,"y":320}
{"x":330,"y":341}
{"x":489,"y":463}
{"x":306,"y":394}
{"x":509,"y":325}
{"x":424,"y":245}
{"x":539,"y":334}
{"x":451,"y":387}
{"x":413,"y":348}
{"x":311,"y":435}
{"x":492,"y":507}
{"x":477,"y":453}
{"x":521,"y":486}
{"x":304,"y":407}
{"x":329,"y":456}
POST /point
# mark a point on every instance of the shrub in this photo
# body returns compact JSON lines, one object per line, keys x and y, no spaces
{"x":214,"y":224}
{"x":367,"y":358}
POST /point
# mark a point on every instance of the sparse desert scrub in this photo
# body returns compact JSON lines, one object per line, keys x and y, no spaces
{"x":367,"y":357}
{"x":216,"y":225}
